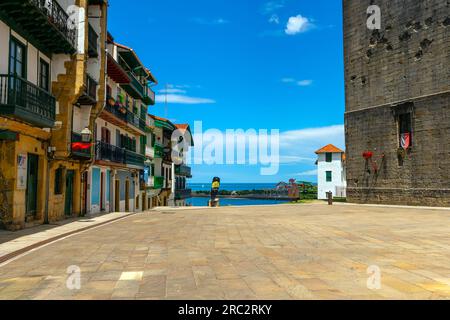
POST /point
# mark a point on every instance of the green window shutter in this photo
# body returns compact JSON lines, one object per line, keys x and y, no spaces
{"x":328,"y":157}
{"x":329,"y":176}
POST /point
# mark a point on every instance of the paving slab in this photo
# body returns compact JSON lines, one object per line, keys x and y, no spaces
{"x":275,"y":252}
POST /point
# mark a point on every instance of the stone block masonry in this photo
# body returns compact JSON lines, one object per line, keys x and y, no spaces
{"x":402,"y":69}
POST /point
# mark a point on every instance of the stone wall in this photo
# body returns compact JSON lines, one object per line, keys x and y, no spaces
{"x":404,"y":65}
{"x":409,"y":57}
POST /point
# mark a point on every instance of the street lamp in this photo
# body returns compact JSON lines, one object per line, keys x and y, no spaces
{"x":86,"y":135}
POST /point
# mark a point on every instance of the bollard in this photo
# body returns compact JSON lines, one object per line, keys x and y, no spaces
{"x":330,"y":198}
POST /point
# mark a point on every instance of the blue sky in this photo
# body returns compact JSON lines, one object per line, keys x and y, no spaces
{"x":248,"y":64}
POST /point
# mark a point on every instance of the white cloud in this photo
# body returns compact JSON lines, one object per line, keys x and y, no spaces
{"x":300,"y":83}
{"x":319,"y":137}
{"x":309,"y":173}
{"x":299,"y":145}
{"x":298,"y":24}
{"x":274,"y":19}
{"x":271,"y":6}
{"x":218,"y":21}
{"x":304,"y":83}
{"x":172,"y":91}
{"x":182,"y":99}
{"x":288,"y":80}
{"x":295,"y":159}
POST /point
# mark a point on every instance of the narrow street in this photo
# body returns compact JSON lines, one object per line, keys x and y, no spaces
{"x":279,"y":252}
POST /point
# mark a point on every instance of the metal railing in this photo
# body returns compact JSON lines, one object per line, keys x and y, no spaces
{"x":20,"y":93}
{"x":108,"y":152}
{"x":127,"y":116}
{"x":134,"y":158}
{"x":58,"y":17}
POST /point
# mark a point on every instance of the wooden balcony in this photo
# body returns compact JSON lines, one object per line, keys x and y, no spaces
{"x":43,"y":22}
{"x":22,"y":100}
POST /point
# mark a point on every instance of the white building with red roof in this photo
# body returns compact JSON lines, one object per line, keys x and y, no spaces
{"x":331,"y":172}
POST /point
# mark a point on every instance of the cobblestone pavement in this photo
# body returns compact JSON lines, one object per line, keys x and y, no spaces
{"x":279,"y":252}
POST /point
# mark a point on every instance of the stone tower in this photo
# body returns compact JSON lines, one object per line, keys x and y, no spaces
{"x":397,"y":81}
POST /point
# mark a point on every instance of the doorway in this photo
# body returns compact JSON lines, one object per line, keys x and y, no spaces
{"x":127,"y":196}
{"x":68,"y":207}
{"x":102,"y":191}
{"x":85,"y":193}
{"x":32,"y":185}
{"x":117,"y":196}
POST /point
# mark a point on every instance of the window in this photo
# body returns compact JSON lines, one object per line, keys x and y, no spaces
{"x":329,"y":157}
{"x":44,"y":70}
{"x":58,"y":181}
{"x":405,"y":130}
{"x":329,"y":176}
{"x":17,"y":58}
{"x":106,"y":135}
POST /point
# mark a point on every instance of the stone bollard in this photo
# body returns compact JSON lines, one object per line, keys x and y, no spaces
{"x":330,"y":198}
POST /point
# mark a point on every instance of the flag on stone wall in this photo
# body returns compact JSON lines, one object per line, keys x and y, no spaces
{"x":406,"y":140}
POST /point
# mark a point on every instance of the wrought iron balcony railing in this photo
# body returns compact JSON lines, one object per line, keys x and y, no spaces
{"x":21,"y":99}
{"x":127,"y":116}
{"x":108,"y":152}
{"x":45,"y":22}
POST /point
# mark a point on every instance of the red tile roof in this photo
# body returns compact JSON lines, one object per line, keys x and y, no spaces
{"x":182,"y":126}
{"x":329,"y":149}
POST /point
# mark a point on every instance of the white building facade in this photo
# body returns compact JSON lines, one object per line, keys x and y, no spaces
{"x":331,"y":172}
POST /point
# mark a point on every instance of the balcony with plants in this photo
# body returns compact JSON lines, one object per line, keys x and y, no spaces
{"x":119,"y":110}
{"x":45,"y":22}
{"x":140,"y":78}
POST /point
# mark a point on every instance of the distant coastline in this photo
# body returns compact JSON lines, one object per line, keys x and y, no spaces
{"x":249,"y":197}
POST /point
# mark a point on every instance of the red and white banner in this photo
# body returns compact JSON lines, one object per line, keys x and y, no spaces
{"x":406,"y":140}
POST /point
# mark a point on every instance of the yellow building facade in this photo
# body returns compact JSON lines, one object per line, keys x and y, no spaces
{"x":52,"y":87}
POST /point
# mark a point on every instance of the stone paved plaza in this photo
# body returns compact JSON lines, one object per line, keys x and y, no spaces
{"x":279,"y":252}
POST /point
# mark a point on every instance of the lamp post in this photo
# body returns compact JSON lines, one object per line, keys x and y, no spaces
{"x":86,"y":135}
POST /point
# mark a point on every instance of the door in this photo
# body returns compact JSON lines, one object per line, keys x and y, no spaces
{"x":127,"y":196}
{"x":117,"y":196}
{"x":102,"y":191}
{"x":68,"y":208}
{"x":32,"y":185}
{"x":85,"y":192}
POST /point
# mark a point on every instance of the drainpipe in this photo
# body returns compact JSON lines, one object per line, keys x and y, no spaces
{"x":47,"y":188}
{"x":47,"y":183}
